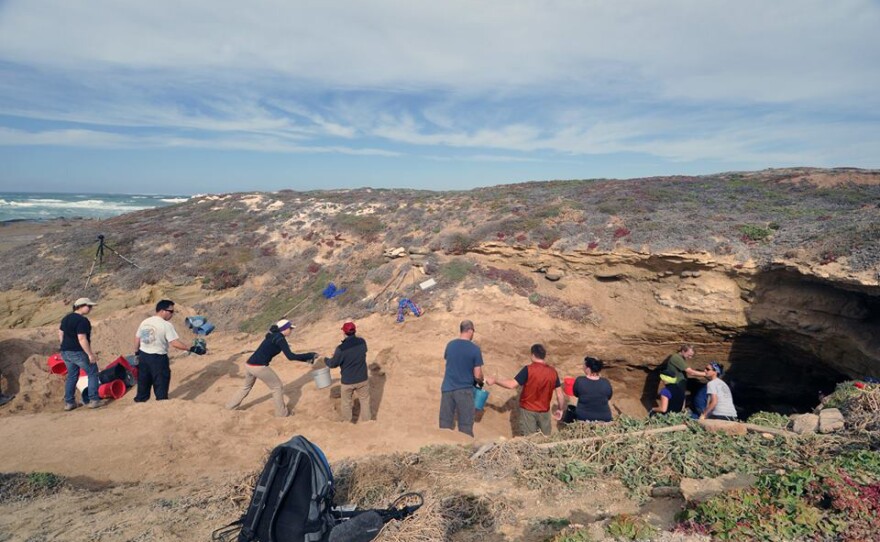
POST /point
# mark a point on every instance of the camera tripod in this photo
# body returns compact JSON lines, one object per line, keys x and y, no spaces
{"x":99,"y":257}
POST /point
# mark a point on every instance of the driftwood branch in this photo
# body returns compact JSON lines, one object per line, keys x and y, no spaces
{"x":772,"y":430}
{"x":648,"y":432}
{"x":659,"y":430}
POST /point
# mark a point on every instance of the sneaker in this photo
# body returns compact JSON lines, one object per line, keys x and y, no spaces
{"x":96,"y":404}
{"x":69,"y":406}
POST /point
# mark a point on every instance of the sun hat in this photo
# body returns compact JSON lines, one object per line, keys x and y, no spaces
{"x":84,"y":301}
{"x":349,"y":328}
{"x":284,"y":324}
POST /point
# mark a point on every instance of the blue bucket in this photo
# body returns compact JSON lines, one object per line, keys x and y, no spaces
{"x":480,"y":397}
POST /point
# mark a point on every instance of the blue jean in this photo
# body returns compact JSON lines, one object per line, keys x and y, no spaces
{"x":74,"y":361}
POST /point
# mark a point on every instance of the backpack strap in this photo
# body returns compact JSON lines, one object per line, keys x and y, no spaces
{"x":227,"y":533}
{"x":259,"y":498}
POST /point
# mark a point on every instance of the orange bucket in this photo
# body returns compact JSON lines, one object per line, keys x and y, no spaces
{"x":568,"y":386}
{"x":56,"y":365}
{"x":112,"y":390}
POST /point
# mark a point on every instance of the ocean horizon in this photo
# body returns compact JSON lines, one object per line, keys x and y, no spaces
{"x":47,"y":206}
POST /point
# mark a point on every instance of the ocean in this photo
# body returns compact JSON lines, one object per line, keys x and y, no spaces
{"x":43,"y":206}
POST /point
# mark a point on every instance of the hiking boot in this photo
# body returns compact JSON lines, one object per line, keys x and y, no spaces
{"x":69,"y":406}
{"x":96,"y":404}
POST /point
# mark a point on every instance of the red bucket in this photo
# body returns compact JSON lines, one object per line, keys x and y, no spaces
{"x":568,"y":386}
{"x":112,"y":390}
{"x":56,"y":365}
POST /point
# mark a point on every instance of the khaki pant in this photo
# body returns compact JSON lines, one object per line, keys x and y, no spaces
{"x":531,"y":422}
{"x":268,"y":376}
{"x":361,"y":392}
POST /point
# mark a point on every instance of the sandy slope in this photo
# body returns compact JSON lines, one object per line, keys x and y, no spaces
{"x":192,"y":434}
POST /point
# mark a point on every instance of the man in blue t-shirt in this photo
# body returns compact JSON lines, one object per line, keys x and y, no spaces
{"x":464,"y":368}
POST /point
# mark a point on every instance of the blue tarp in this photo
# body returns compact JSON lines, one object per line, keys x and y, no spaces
{"x":332,"y":291}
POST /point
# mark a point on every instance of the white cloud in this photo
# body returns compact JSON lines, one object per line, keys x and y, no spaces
{"x":683,"y":80}
{"x":751,"y":49}
{"x":99,"y":139}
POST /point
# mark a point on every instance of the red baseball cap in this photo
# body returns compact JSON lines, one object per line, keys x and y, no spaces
{"x":348,"y":328}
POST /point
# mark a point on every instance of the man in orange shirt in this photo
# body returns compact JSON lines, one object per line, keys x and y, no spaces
{"x":538,"y":381}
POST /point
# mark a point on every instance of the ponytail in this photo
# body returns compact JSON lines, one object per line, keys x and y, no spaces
{"x":273,"y":329}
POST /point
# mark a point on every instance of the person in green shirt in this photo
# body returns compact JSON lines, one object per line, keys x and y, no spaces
{"x":676,"y":371}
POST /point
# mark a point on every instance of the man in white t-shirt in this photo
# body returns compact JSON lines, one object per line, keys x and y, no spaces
{"x":720,"y":401}
{"x":151,"y":342}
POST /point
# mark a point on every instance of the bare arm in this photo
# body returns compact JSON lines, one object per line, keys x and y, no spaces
{"x":60,"y":336}
{"x":176,"y":343}
{"x":560,"y":402}
{"x":713,"y":401}
{"x":87,"y":348}
{"x":664,"y":405}
{"x":478,"y":373}
{"x":508,"y":383}
{"x":693,"y":372}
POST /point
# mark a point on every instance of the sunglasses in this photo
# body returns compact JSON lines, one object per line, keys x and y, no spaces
{"x":170,"y":310}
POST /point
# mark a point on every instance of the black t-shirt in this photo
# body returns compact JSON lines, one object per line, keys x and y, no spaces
{"x":593,"y":397}
{"x":72,"y":325}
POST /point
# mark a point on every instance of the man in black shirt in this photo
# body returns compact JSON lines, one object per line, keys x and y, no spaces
{"x":75,"y":335}
{"x":351,"y":356}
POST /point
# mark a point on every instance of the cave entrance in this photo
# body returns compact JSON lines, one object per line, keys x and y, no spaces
{"x":767,"y":373}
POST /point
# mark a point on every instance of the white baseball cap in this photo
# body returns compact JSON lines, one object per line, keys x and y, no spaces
{"x":84,"y":301}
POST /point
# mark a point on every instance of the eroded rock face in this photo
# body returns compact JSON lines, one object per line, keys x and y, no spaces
{"x":783,"y":332}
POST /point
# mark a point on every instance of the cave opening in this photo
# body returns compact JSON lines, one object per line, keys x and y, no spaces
{"x":767,"y":373}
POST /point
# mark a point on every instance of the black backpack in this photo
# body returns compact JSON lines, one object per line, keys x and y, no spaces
{"x":293,"y":502}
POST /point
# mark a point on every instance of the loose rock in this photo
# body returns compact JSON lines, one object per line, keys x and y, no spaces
{"x":695,"y":490}
{"x":830,"y":420}
{"x":554,"y":274}
{"x":723,"y":426}
{"x":803,"y":424}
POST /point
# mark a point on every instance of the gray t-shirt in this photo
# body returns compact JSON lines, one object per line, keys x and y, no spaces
{"x":719,"y":389}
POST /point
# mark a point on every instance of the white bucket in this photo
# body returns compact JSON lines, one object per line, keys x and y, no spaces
{"x":321,"y":377}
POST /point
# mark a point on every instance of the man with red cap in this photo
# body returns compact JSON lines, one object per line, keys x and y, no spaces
{"x":351,"y":357}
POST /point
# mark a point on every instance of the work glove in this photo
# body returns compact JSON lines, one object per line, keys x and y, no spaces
{"x":478,"y":383}
{"x":313,"y":357}
{"x":198,"y":350}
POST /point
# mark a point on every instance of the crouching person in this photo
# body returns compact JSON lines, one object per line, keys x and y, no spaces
{"x":257,"y":367}
{"x":351,"y":357}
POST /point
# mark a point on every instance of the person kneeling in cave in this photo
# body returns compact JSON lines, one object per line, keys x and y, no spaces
{"x":670,"y":400}
{"x":720,"y":403}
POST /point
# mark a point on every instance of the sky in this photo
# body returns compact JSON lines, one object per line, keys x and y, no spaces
{"x":218,"y":95}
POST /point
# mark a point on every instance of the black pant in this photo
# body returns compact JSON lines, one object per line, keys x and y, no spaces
{"x":154,"y":371}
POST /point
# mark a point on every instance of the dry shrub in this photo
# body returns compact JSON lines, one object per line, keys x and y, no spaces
{"x":443,"y":516}
{"x":441,"y":461}
{"x":375,"y":481}
{"x":860,"y":404}
{"x":21,"y":487}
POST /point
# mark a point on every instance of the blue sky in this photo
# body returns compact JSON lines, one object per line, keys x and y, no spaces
{"x":216,"y":96}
